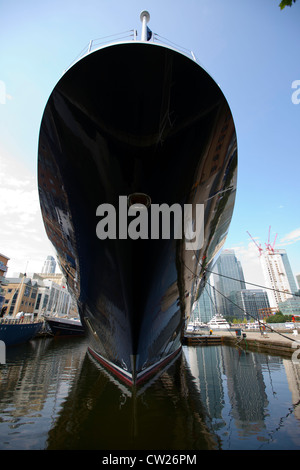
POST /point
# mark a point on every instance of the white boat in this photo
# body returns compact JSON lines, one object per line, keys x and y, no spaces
{"x":218,"y":323}
{"x":252,"y":326}
{"x":195,"y":326}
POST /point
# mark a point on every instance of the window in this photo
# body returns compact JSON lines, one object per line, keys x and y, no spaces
{"x":38,"y":301}
{"x":33,"y":294}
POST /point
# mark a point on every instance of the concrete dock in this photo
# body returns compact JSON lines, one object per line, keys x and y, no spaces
{"x":275,"y":343}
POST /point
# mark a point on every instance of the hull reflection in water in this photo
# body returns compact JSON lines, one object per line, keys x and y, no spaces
{"x":101,"y":413}
{"x":54,"y":395}
{"x":144,"y":121}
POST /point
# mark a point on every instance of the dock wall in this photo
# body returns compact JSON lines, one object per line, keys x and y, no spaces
{"x":270,"y":343}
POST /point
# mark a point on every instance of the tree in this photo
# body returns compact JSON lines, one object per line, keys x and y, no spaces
{"x":286,"y":3}
{"x":279,"y":317}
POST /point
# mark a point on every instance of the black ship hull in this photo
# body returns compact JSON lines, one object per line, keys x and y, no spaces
{"x":65,"y":327}
{"x":127,"y":119}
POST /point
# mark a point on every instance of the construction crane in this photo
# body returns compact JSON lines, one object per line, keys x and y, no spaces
{"x":270,"y":247}
{"x":258,"y":246}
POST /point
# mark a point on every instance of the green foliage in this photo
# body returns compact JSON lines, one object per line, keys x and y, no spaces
{"x":279,"y":318}
{"x":286,"y":3}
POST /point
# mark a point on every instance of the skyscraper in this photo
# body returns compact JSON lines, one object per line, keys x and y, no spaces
{"x":49,"y":265}
{"x":248,"y":302}
{"x":230,"y":278}
{"x":278,"y":275}
{"x":205,"y":308}
{"x":298,"y":280}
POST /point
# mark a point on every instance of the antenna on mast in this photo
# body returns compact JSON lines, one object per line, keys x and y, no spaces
{"x":145,"y":17}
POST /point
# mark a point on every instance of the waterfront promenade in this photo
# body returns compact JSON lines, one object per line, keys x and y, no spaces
{"x":281,"y":342}
{"x":276,"y":342}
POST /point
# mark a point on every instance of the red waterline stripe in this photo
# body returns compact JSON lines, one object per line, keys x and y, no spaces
{"x":142,"y":377}
{"x":157,"y":366}
{"x":110,"y":367}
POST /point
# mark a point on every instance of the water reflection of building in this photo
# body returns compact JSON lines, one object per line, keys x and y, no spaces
{"x":292,"y":369}
{"x":206,"y":368}
{"x":246,"y":389}
{"x":33,"y":380}
{"x":232,"y":383}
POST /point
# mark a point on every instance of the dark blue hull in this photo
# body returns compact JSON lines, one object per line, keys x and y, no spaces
{"x":127,"y":119}
{"x":17,"y":332}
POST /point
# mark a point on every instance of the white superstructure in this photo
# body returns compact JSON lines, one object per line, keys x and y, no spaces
{"x":218,"y":322}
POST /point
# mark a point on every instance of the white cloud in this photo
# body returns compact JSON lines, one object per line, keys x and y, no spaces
{"x":249,"y":258}
{"x":22,"y":237}
{"x":291,"y":237}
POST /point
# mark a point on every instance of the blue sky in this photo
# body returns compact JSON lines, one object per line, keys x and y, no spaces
{"x":251,"y":49}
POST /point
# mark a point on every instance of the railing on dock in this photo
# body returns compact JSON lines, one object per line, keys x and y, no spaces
{"x":17,"y":321}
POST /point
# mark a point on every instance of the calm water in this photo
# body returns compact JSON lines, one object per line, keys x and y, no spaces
{"x":54,"y":396}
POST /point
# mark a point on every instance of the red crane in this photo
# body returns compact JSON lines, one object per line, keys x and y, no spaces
{"x":258,"y":246}
{"x":270,"y":247}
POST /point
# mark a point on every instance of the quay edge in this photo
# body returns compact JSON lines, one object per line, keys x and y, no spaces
{"x":271,"y":343}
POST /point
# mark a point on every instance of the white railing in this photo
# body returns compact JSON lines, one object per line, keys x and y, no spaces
{"x":126,"y":36}
{"x":96,"y":43}
{"x":17,"y":321}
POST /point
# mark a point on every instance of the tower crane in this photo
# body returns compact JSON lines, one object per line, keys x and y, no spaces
{"x":258,"y":246}
{"x":270,"y":247}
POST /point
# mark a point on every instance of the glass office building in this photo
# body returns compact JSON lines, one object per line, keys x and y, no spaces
{"x":228,"y":280}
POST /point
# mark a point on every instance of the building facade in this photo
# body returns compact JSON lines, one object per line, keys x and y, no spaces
{"x":248,"y":303}
{"x":37,"y":296}
{"x":52,"y":299}
{"x":290,"y":306}
{"x":49,"y":265}
{"x":20,"y":295}
{"x":278,"y":276}
{"x":229,"y":278}
{"x":205,"y":307}
{"x":3,"y":270}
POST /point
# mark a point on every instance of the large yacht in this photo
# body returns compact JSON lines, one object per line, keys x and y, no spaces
{"x":218,"y":322}
{"x":134,"y":130}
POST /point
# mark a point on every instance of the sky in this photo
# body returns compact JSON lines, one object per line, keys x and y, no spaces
{"x":249,"y":47}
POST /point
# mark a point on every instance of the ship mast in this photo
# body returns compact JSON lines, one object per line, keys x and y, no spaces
{"x":145,"y":17}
